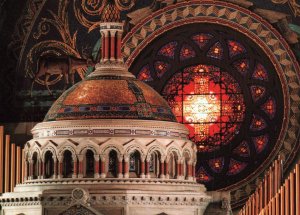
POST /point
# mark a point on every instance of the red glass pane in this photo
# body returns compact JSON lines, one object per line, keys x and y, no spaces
{"x":186,"y":52}
{"x":235,"y":167}
{"x":242,"y":66}
{"x":168,"y":50}
{"x":201,"y":39}
{"x":257,"y":92}
{"x":145,"y":74}
{"x":216,"y":51}
{"x":202,"y":175}
{"x":242,"y":150}
{"x":258,"y":123}
{"x":161,"y":68}
{"x":216,"y":164}
{"x":269,"y":107}
{"x":260,"y":72}
{"x":260,"y":142}
{"x":235,"y":48}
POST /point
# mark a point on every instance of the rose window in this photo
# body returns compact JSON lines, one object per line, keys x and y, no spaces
{"x":222,"y":86}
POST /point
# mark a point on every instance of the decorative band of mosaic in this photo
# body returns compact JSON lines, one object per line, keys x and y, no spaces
{"x":109,"y":132}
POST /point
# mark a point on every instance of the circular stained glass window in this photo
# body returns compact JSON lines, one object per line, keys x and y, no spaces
{"x":225,"y":90}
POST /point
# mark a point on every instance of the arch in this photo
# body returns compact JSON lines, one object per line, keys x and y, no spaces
{"x":112,"y":164}
{"x":51,"y":149}
{"x":67,"y":164}
{"x":48,"y":164}
{"x":89,"y":163}
{"x":158,"y":148}
{"x":105,"y":151}
{"x":173,"y":159}
{"x":135,"y":159}
{"x":69,"y":148}
{"x":88,"y":147}
{"x":133,"y":148}
{"x":37,"y":150}
{"x":175,"y":150}
{"x":188,"y":151}
{"x":154,"y":157}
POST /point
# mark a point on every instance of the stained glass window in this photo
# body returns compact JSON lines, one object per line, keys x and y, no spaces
{"x":145,"y":74}
{"x":168,"y":50}
{"x":187,"y":52}
{"x":216,"y":164}
{"x":161,"y":68}
{"x":225,"y":90}
{"x":216,"y":51}
{"x":201,"y":39}
{"x":235,"y":48}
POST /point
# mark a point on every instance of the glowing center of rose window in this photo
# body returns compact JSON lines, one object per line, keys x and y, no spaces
{"x":201,"y":108}
{"x":209,"y":102}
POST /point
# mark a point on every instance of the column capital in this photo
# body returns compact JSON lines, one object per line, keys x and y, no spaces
{"x":96,"y":157}
{"x":120,"y":158}
{"x":80,"y":158}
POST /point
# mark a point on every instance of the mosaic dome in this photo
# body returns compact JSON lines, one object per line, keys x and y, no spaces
{"x":110,"y":97}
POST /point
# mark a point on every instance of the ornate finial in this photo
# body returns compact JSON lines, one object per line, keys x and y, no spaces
{"x":110,"y":13}
{"x":110,"y":8}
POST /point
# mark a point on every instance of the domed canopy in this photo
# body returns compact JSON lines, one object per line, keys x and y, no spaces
{"x":110,"y":92}
{"x":110,"y":97}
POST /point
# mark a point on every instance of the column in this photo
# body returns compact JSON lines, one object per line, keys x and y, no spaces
{"x":178,"y":166}
{"x":42,"y":166}
{"x":96,"y":166}
{"x":75,"y":170}
{"x":142,"y":175}
{"x":80,"y":166}
{"x":106,"y":46}
{"x":167,"y":168}
{"x":55,"y":167}
{"x":162,"y":167}
{"x":30,"y":170}
{"x":119,"y":41}
{"x":126,"y":167}
{"x":112,"y":45}
{"x":190,"y":171}
{"x":147,"y":168}
{"x":120,"y":166}
{"x":60,"y":167}
{"x":194,"y":171}
{"x":103,"y":166}
{"x":40,"y":169}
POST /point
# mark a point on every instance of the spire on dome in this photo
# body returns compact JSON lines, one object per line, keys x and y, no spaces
{"x":111,"y":29}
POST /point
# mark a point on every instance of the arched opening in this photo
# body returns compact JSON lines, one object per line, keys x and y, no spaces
{"x":134,"y":164}
{"x":112,"y":164}
{"x":89,"y":164}
{"x":154,"y":163}
{"x":49,"y":164}
{"x":35,"y":166}
{"x":67,"y":164}
{"x":172,"y":167}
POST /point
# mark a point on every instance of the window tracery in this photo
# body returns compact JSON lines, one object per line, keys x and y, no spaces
{"x":225,"y":90}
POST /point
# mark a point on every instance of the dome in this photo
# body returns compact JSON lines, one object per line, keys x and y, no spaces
{"x":110,"y":97}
